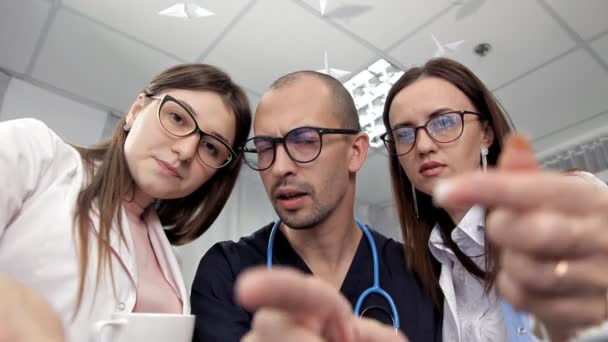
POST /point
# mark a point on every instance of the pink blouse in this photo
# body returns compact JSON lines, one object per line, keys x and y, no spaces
{"x":155,"y":292}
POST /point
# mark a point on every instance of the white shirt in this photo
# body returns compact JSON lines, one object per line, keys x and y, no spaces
{"x":41,"y":177}
{"x":469,"y":313}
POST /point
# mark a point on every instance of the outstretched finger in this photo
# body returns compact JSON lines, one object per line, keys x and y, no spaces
{"x":301,"y":296}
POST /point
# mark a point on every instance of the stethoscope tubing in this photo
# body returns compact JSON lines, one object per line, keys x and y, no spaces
{"x":375,"y":288}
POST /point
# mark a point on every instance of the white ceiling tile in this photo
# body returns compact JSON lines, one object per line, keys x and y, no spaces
{"x":522,"y":35}
{"x":558,"y":95}
{"x":277,"y":37}
{"x":381,"y":22}
{"x":373,"y":180}
{"x":21,"y":23}
{"x":185,"y":38}
{"x":600,"y":46}
{"x":588,"y":17}
{"x":96,"y":63}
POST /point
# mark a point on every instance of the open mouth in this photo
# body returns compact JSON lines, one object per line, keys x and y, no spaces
{"x":291,"y":196}
{"x":291,"y":199}
{"x":429,"y":168}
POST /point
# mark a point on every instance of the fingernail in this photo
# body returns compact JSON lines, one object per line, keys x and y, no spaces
{"x":441,"y":191}
{"x":519,"y":142}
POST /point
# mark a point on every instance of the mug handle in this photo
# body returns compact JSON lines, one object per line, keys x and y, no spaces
{"x":100,"y":326}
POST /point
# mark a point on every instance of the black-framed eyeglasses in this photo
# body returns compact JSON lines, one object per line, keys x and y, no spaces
{"x":442,"y":128}
{"x":302,"y":144}
{"x":179,"y":121}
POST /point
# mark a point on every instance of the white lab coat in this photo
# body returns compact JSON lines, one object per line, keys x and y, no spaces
{"x":40,"y":177}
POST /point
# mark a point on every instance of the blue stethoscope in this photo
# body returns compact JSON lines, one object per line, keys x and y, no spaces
{"x":375,"y":288}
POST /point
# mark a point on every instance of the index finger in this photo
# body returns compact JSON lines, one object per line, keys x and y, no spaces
{"x":298,"y":295}
{"x":522,"y":191}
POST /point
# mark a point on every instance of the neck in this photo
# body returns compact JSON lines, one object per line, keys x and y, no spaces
{"x":141,"y":198}
{"x":457,"y":214}
{"x":328,"y":248}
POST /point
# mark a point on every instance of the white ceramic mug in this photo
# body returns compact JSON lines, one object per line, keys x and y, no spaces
{"x":148,"y":327}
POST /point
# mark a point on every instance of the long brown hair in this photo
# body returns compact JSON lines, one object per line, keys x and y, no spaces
{"x":109,"y":179}
{"x":416,"y":231}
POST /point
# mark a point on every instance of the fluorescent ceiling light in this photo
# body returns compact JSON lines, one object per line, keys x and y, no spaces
{"x":333,"y":72}
{"x":322,"y":7}
{"x":443,"y":49}
{"x":186,"y":10}
{"x":369,"y":89}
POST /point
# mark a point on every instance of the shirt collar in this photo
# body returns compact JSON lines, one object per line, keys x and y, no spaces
{"x":473,"y":225}
{"x":470,"y":228}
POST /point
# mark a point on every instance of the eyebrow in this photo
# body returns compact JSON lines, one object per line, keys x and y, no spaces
{"x":220,"y":136}
{"x":191,"y":110}
{"x":188,"y":106}
{"x":430,"y":116}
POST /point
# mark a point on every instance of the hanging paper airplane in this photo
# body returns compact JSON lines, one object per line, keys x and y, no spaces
{"x":322,"y":6}
{"x":186,"y":11}
{"x":337,"y":73}
{"x":444,"y":49}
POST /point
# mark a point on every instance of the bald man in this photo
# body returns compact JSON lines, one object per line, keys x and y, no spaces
{"x":308,"y":147}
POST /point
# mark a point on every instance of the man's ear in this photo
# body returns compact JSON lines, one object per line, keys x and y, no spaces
{"x":359,"y":148}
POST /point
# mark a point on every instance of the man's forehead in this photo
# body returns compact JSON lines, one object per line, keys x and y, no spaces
{"x":280,"y":110}
{"x":279,"y":125}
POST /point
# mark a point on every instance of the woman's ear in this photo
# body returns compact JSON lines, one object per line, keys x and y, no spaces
{"x":136,"y":107}
{"x":488,"y":135}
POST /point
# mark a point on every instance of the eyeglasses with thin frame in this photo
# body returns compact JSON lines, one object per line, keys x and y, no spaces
{"x":302,"y":144}
{"x":442,"y":128}
{"x":179,"y":121}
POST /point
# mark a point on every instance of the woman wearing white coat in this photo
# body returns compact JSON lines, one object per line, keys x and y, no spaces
{"x":84,"y":226}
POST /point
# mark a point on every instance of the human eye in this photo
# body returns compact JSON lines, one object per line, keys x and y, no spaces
{"x":445,"y":121}
{"x":263,"y":145}
{"x":176,"y":118}
{"x":210,"y":148}
{"x":404,"y":135}
{"x":304,"y":136}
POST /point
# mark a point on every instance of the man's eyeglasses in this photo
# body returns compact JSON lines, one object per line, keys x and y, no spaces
{"x":442,"y":128}
{"x":179,"y":121}
{"x":302,"y":144}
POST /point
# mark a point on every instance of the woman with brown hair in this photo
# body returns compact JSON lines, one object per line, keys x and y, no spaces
{"x":442,"y":121}
{"x":551,"y":231}
{"x":91,"y":228}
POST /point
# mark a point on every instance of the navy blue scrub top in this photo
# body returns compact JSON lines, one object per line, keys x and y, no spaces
{"x":219,"y":318}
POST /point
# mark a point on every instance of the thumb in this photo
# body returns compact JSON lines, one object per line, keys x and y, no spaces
{"x":517,"y":155}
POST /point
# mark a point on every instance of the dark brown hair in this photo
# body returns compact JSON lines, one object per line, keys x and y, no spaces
{"x":416,"y":231}
{"x":109,"y":179}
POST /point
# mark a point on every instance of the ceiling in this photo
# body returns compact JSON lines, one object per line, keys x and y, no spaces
{"x":548,"y":64}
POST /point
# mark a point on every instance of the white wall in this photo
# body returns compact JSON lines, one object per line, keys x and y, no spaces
{"x":4,"y":81}
{"x":73,"y":121}
{"x":382,"y":218}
